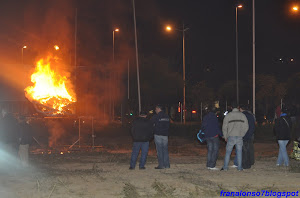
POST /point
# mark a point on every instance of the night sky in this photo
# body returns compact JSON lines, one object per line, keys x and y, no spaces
{"x":210,"y":42}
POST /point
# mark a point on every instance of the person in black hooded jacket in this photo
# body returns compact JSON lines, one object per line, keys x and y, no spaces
{"x":142,"y":133}
{"x":282,"y":129}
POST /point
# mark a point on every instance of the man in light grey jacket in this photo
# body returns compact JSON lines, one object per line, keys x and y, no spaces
{"x":235,"y":126}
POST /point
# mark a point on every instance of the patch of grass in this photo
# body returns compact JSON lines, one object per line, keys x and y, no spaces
{"x":269,"y":188}
{"x":130,"y":191}
{"x":195,"y":194}
{"x":163,"y":191}
{"x":295,"y":168}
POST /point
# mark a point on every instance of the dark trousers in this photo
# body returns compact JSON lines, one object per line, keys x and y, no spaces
{"x":251,"y":150}
{"x":137,"y":146}
{"x":213,"y":144}
{"x":246,"y":159}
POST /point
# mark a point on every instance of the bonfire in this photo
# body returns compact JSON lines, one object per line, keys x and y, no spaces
{"x":49,"y":92}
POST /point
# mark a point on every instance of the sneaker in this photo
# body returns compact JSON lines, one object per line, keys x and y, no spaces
{"x":131,"y":168}
{"x":142,"y":168}
{"x":277,"y":165}
{"x":214,"y":168}
{"x":159,"y":167}
{"x":234,"y":166}
{"x":222,"y":169}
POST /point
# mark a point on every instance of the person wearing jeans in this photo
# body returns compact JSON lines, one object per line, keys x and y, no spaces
{"x":212,"y":152}
{"x":161,"y":122}
{"x":137,"y":146}
{"x":282,"y":129}
{"x":212,"y":131}
{"x":232,"y":141}
{"x":283,"y":157}
{"x":161,"y":143}
{"x":235,"y":126}
{"x":248,"y":150}
{"x":142,"y":133}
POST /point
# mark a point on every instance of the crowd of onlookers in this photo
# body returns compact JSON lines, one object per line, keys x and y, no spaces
{"x":238,"y":130}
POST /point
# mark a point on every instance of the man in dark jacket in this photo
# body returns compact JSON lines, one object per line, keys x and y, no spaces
{"x":248,"y":149}
{"x":161,"y":123}
{"x":212,"y":131}
{"x":142,"y":133}
{"x":282,"y":129}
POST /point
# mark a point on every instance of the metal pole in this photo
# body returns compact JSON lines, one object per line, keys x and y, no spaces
{"x":137,"y":57}
{"x":112,"y":80}
{"x":253,"y":54}
{"x":237,"y":55}
{"x":201,"y":112}
{"x":75,"y":56}
{"x":93,"y":132}
{"x":113,"y":46}
{"x":79,"y":133}
{"x":128,"y":81}
{"x":23,"y":56}
{"x":184,"y":83}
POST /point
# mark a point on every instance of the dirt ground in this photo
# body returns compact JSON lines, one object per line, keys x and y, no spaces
{"x":105,"y":174}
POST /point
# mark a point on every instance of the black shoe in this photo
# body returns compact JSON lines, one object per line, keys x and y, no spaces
{"x":222,"y":169}
{"x":159,"y":167}
{"x":131,"y":168}
{"x":142,"y":168}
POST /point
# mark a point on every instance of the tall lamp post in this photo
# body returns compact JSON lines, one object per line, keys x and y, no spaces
{"x":183,"y":30}
{"x":237,"y":53}
{"x":253,"y":57}
{"x":112,"y":99}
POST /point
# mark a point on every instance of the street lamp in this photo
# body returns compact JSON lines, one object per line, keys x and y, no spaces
{"x":115,"y":30}
{"x":24,"y":47}
{"x":113,"y":102}
{"x":237,"y":52}
{"x":56,"y":47}
{"x":183,"y":30}
{"x":295,"y":8}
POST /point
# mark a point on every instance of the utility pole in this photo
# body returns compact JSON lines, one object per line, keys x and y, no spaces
{"x":137,"y":58}
{"x":253,"y":54}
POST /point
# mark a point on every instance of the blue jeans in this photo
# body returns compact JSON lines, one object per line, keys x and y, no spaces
{"x":137,"y":146}
{"x":212,"y":151}
{"x":282,"y":155}
{"x":232,"y":141}
{"x":161,"y":143}
{"x":246,"y":158}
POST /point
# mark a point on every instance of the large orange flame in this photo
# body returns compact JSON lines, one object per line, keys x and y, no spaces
{"x":49,"y":87}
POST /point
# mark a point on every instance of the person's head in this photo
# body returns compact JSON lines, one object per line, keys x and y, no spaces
{"x":143,"y":114}
{"x":158,"y":108}
{"x":234,"y":105}
{"x":210,"y":109}
{"x":243,"y":108}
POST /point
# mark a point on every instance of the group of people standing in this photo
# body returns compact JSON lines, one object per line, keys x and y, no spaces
{"x":15,"y":137}
{"x":143,"y":130}
{"x":238,"y":130}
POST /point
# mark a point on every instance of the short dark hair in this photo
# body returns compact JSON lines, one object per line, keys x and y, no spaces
{"x":160,"y":106}
{"x":234,"y":105}
{"x":244,"y":107}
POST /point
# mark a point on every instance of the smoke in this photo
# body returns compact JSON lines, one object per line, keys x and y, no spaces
{"x":56,"y":131}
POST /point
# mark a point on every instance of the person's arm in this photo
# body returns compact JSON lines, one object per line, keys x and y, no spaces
{"x":245,"y":125}
{"x":225,"y":127}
